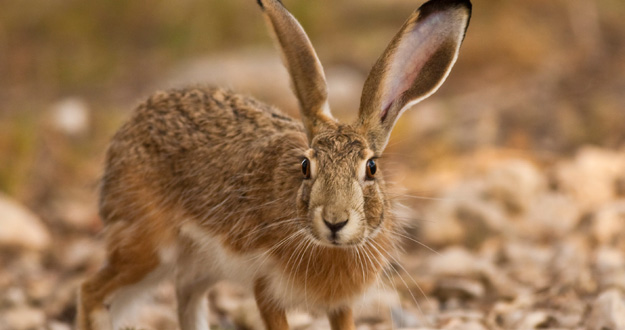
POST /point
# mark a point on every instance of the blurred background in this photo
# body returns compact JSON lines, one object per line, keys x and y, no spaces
{"x":535,"y":104}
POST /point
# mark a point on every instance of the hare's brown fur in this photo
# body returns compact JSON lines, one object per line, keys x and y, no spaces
{"x":173,"y":162}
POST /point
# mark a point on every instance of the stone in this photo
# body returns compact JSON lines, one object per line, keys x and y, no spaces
{"x":534,"y":319}
{"x":458,"y":262}
{"x":608,"y":223}
{"x":21,"y":228}
{"x":607,"y":311}
{"x":71,"y":116}
{"x":508,"y":315}
{"x":550,"y":215}
{"x":13,"y":296}
{"x":608,"y":260}
{"x":23,"y":318}
{"x":462,"y":215}
{"x":453,"y":261}
{"x":571,"y":262}
{"x":460,"y":288}
{"x":56,"y":325}
{"x":148,"y":316}
{"x":529,"y":263}
{"x":514,"y":184}
{"x":458,"y":324}
{"x":82,"y":253}
{"x":591,"y":177}
{"x":403,"y":318}
{"x":79,"y":211}
{"x":609,"y":267}
{"x":41,"y":287}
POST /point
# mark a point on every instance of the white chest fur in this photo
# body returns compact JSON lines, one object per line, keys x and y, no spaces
{"x":211,"y":260}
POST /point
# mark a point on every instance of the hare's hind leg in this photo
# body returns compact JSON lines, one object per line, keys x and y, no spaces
{"x":108,"y":292}
{"x":92,"y":313}
{"x":129,"y":272}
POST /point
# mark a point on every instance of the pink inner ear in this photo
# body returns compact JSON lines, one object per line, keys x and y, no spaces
{"x":385,"y":111}
{"x":415,"y":48}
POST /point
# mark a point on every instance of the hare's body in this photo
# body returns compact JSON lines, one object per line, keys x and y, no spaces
{"x":172,"y":203}
{"x":205,"y":185}
{"x":225,"y":209}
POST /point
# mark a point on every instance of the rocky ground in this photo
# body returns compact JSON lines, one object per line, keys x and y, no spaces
{"x":511,"y":178}
{"x":501,"y":242}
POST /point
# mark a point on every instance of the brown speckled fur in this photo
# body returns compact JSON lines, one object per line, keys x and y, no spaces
{"x":203,"y":176}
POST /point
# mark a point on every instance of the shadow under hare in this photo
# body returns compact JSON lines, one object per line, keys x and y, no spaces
{"x":205,"y":185}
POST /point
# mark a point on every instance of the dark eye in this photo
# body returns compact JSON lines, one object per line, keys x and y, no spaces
{"x":306,"y":168}
{"x":371,"y":169}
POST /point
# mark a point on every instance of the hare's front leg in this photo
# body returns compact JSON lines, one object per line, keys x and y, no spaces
{"x":192,"y":301}
{"x":342,"y":319}
{"x":273,"y":316}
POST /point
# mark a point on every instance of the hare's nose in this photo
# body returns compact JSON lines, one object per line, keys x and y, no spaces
{"x":335,"y":227}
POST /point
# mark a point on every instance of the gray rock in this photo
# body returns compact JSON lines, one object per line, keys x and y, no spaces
{"x":71,"y":116}
{"x":608,"y":223}
{"x":459,"y":262}
{"x":607,"y":311}
{"x":514,"y":184}
{"x":550,"y":215}
{"x":23,"y":318}
{"x":460,"y":288}
{"x":592,"y":176}
{"x":21,"y":228}
{"x":13,"y":296}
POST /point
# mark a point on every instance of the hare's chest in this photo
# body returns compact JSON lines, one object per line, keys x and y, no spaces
{"x":298,"y":283}
{"x":213,"y":259}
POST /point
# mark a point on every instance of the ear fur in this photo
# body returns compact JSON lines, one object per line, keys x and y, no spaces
{"x":413,"y":66}
{"x":300,"y":59}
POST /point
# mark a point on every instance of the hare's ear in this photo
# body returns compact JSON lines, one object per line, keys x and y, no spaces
{"x":300,"y":59}
{"x":413,"y":66}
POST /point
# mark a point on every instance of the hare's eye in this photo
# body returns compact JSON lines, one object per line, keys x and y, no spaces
{"x":306,"y":168}
{"x":371,"y":169}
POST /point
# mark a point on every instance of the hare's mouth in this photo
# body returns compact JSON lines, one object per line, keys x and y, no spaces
{"x":339,"y":241}
{"x":335,"y":239}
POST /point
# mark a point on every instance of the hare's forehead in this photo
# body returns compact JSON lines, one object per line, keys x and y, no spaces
{"x":340,"y":147}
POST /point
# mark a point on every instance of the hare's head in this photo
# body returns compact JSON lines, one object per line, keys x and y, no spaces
{"x":342,"y":192}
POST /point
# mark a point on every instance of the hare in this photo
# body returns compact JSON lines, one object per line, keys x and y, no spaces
{"x":205,"y":185}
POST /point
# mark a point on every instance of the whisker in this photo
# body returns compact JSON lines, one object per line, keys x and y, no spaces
{"x":297,"y":252}
{"x":310,"y":254}
{"x":414,"y":240}
{"x":405,"y":284}
{"x":261,"y":227}
{"x":360,"y":262}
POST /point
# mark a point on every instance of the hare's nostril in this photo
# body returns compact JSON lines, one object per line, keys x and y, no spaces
{"x":334,"y":227}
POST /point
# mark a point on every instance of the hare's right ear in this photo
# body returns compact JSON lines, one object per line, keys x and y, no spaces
{"x":413,"y":66}
{"x":300,"y":59}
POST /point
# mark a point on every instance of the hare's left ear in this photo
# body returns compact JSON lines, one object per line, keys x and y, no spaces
{"x":300,"y":59}
{"x":413,"y":66}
